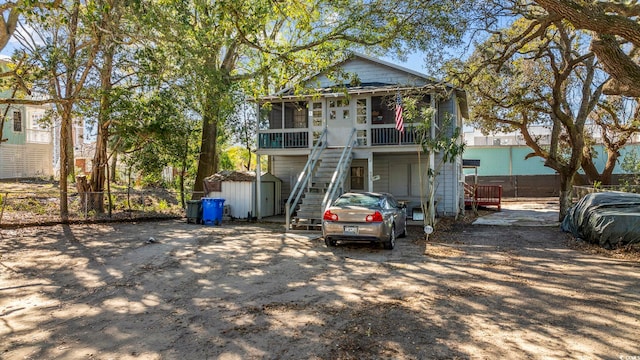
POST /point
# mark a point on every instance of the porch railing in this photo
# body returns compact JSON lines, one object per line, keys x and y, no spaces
{"x":381,"y":135}
{"x":391,"y":136}
{"x":284,"y":140}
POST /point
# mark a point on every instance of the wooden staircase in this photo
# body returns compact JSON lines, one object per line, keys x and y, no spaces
{"x":309,"y":213}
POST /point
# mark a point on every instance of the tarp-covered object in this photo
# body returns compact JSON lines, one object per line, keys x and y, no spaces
{"x":610,"y":219}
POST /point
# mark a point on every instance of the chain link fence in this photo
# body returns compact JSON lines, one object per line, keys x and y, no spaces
{"x":37,"y":208}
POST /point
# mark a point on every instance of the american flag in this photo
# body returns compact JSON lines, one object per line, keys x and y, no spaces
{"x":399,"y":119}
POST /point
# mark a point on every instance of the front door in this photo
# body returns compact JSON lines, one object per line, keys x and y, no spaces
{"x":339,"y":122}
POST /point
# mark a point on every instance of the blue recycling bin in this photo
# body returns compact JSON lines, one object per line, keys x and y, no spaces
{"x":212,"y":210}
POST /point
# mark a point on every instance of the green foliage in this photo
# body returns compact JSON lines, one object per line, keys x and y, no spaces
{"x":443,"y":140}
{"x":225,"y":162}
{"x":180,"y":69}
{"x":446,"y":141}
{"x":152,"y":180}
{"x":162,"y":205}
{"x":154,"y":131}
{"x":631,"y":166}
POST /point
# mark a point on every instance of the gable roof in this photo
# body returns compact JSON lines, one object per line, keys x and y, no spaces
{"x":401,"y":77}
{"x":378,"y":76}
{"x":393,"y":66}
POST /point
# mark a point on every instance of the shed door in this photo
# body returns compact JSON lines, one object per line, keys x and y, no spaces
{"x":268,"y":192}
{"x":339,"y":122}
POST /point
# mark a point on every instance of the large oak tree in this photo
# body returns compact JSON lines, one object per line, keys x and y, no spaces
{"x":530,"y":75}
{"x":616,"y":37}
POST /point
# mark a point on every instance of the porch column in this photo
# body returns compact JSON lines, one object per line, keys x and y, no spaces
{"x":258,"y":192}
{"x":432,"y":158}
{"x":370,"y":171}
{"x":258,"y":201}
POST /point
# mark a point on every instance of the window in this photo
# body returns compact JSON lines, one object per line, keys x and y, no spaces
{"x":295,"y":115}
{"x":316,"y":114}
{"x":37,"y":122}
{"x":361,"y":111}
{"x":339,"y":109}
{"x":361,"y":136}
{"x":382,"y":111}
{"x":357,"y":178}
{"x":275,"y":116}
{"x":17,"y":121}
{"x":316,"y":137}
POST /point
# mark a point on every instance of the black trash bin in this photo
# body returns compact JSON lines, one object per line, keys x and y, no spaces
{"x":194,"y":211}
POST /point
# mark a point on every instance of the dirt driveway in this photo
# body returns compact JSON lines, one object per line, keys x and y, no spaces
{"x":248,"y":291}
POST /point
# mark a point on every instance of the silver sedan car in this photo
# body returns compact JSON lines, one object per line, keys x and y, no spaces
{"x":374,"y":217}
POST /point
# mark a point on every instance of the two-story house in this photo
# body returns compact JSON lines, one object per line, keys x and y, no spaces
{"x":26,"y":149}
{"x":339,"y":137}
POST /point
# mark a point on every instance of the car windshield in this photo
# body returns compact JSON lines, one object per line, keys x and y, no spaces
{"x":358,"y":200}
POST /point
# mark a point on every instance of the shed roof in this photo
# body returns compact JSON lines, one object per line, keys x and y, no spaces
{"x":231,"y":175}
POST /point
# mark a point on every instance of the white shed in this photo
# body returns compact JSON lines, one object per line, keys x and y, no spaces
{"x":238,"y":189}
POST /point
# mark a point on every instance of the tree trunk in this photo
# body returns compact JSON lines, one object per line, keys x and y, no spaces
{"x":249,"y":161}
{"x":71,"y":166}
{"x":65,"y":123}
{"x":609,"y":166}
{"x":592,"y":173}
{"x":114,"y":163}
{"x":589,"y":167}
{"x":183,"y":170}
{"x":207,"y":163}
{"x":566,"y":192}
{"x":99,"y":171}
{"x":84,"y":191}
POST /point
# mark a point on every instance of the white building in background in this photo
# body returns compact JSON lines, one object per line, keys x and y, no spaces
{"x":27,"y":147}
{"x":475,"y":137}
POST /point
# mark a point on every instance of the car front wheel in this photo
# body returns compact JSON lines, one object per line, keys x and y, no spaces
{"x":404,"y":231}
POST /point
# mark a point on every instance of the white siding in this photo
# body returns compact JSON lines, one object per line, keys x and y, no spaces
{"x":369,"y":72}
{"x":451,"y":107}
{"x":399,"y":179}
{"x":287,"y":169}
{"x":20,"y":161}
{"x":400,"y":176}
{"x":238,"y":195}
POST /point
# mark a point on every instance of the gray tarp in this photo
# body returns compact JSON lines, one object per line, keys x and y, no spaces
{"x":610,"y":219}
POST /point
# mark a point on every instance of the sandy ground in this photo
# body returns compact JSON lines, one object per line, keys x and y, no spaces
{"x":250,"y":291}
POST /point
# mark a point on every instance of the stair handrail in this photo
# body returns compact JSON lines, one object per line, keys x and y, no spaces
{"x":305,"y":175}
{"x":339,"y":174}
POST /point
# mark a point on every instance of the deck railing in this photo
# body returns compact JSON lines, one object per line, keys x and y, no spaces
{"x":381,"y":135}
{"x":391,"y":136}
{"x":284,"y":140}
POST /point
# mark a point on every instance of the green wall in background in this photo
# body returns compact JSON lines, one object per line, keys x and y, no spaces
{"x":17,"y":138}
